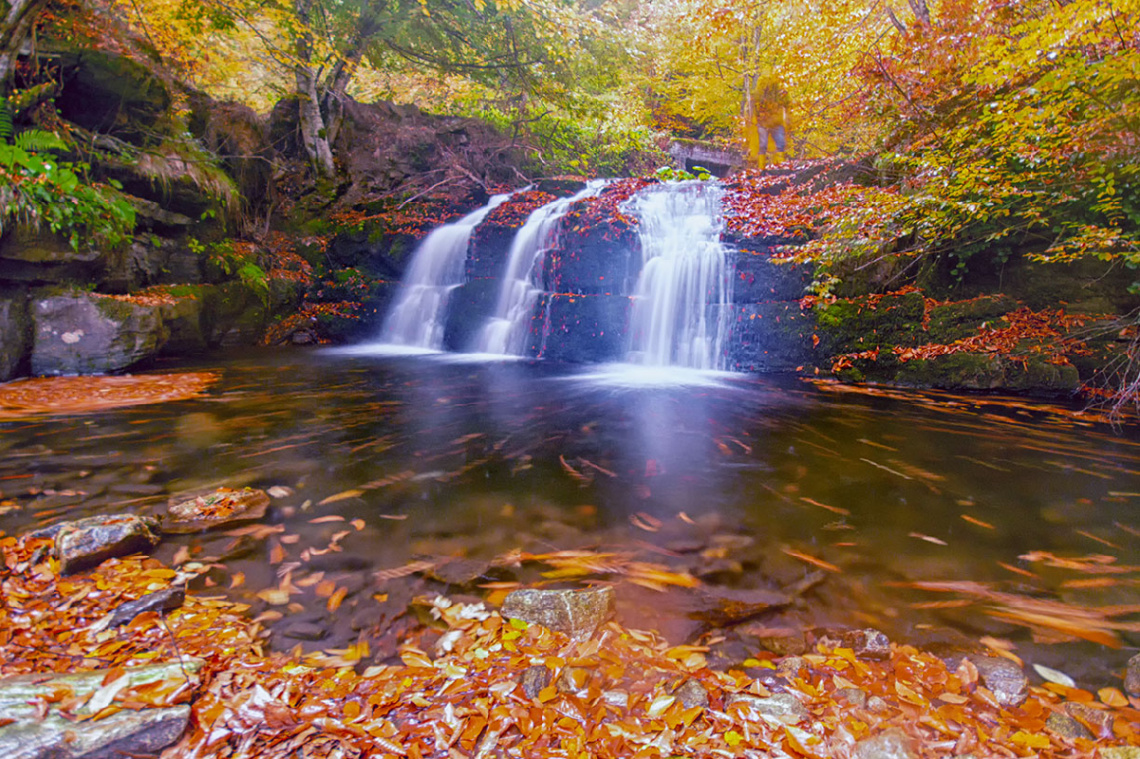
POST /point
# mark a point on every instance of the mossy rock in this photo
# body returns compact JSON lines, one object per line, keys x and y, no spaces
{"x":958,"y":320}
{"x":984,"y":371}
{"x":849,"y":326}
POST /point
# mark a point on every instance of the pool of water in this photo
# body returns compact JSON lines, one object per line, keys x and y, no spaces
{"x":843,"y":501}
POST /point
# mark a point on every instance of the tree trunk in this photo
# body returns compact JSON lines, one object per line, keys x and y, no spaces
{"x":314,"y":134}
{"x":17,"y":18}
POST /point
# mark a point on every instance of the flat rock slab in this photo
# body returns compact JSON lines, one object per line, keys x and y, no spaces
{"x":125,"y":733}
{"x":87,"y":543}
{"x":224,"y":506}
{"x":577,"y":613}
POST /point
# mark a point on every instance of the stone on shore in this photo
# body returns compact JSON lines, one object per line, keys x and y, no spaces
{"x":126,"y":733}
{"x":783,"y":707}
{"x":1005,"y":679}
{"x":87,"y":543}
{"x":577,"y":613}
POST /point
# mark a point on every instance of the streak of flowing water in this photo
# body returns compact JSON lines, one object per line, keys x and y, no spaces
{"x":419,"y":314}
{"x":685,"y":278}
{"x":506,"y":331}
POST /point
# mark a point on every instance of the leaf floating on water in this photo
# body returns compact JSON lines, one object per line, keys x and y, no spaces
{"x":928,"y":538}
{"x":1054,"y":676}
{"x":344,"y":496}
{"x":811,"y":560}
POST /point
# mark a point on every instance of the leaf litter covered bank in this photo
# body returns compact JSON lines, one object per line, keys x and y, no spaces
{"x":471,"y":683}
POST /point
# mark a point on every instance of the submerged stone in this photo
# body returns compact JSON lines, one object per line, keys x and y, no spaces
{"x":1132,"y":676}
{"x":577,"y":613}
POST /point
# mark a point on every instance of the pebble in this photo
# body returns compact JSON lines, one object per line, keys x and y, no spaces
{"x":889,"y":744}
{"x":1004,"y":679}
{"x":691,"y":693}
{"x":534,"y":680}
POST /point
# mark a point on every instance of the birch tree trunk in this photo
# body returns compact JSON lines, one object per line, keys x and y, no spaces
{"x":314,"y":134}
{"x":17,"y":17}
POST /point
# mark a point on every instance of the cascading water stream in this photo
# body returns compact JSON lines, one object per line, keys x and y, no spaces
{"x":506,"y":330}
{"x":419,"y":314}
{"x":685,"y":279}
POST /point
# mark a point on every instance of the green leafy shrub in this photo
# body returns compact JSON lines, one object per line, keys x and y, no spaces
{"x":37,"y":188}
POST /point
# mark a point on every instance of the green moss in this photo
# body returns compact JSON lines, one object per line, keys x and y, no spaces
{"x":859,"y":324}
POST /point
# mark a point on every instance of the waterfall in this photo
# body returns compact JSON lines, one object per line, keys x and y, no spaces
{"x":506,"y":330}
{"x":685,"y":277}
{"x":419,"y":313}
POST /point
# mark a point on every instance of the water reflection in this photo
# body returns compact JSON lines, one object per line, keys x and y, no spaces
{"x":744,"y":482}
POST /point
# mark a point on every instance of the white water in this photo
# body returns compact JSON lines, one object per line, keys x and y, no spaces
{"x":684,"y":276}
{"x":506,"y":330}
{"x":418,"y":317}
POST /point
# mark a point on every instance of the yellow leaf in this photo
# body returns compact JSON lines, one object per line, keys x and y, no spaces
{"x":1030,"y":740}
{"x":341,"y":497}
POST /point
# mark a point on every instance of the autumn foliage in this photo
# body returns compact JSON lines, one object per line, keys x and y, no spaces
{"x":475,"y":683}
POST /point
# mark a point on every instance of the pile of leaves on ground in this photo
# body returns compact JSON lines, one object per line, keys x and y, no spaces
{"x":472,"y":683}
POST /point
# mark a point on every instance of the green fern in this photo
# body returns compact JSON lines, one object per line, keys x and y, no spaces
{"x":6,"y":128}
{"x":39,"y":141}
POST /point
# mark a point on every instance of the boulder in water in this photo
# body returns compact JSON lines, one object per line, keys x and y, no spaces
{"x":222,"y":507}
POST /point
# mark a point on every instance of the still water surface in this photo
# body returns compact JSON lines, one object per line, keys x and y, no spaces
{"x":839,"y":498}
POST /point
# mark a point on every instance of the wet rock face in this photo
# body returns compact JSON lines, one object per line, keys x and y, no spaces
{"x":84,"y":333}
{"x":577,"y":613}
{"x":1005,"y":679}
{"x":86,"y":543}
{"x":590,"y":328}
{"x":14,"y":334}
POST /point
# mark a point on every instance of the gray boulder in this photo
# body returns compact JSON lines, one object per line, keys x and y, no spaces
{"x":85,"y":333}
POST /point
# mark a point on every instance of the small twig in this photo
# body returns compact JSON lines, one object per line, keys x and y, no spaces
{"x":421,"y":194}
